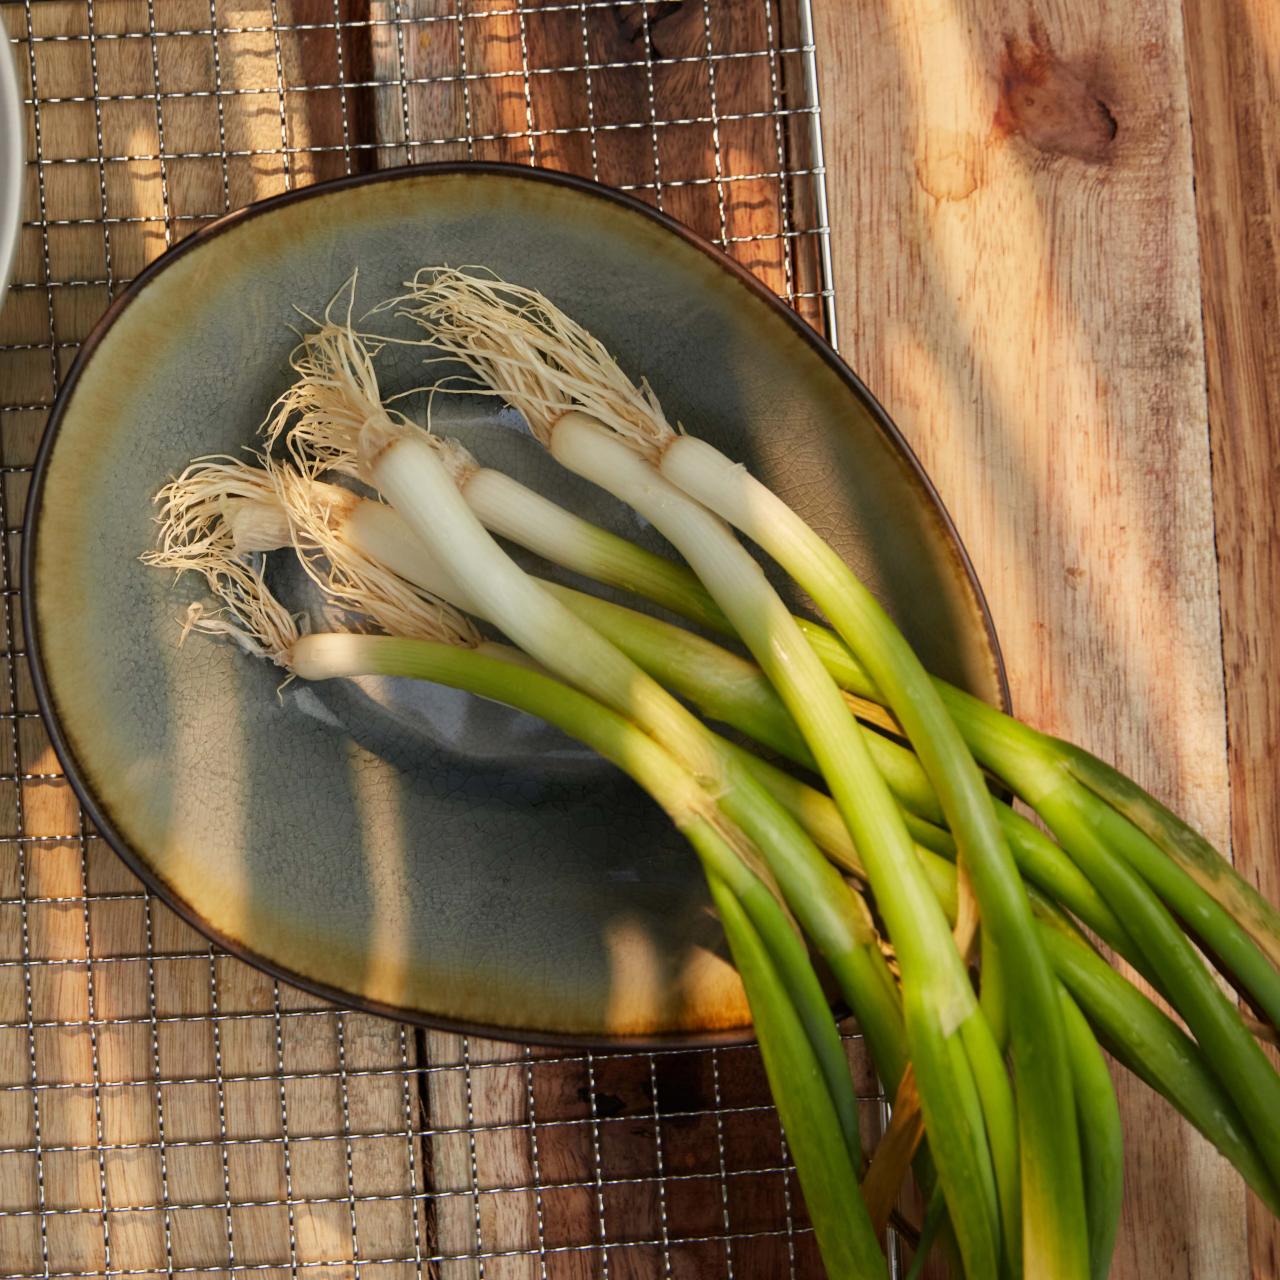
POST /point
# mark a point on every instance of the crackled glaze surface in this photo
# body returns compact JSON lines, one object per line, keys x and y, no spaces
{"x":405,"y":847}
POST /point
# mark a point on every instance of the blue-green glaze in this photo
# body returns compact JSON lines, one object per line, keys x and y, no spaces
{"x":406,"y":848}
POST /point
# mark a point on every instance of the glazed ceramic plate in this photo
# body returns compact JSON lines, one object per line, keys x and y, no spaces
{"x":393,"y":845}
{"x":13,"y":136}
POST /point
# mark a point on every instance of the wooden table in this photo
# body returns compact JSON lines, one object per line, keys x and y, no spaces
{"x":1056,"y":242}
{"x":1057,"y":254}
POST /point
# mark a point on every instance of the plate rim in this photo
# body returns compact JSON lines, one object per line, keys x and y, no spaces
{"x":679,"y":1040}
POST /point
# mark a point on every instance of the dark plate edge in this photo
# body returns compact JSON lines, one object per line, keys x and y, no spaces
{"x":44,"y":698}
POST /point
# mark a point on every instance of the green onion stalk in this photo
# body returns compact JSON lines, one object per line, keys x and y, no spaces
{"x":788,"y":1007}
{"x":602,"y":552}
{"x":1142,"y":1038}
{"x":345,"y":527}
{"x":1146,"y":1041}
{"x":1183,"y":846}
{"x":730,"y":689}
{"x":600,"y":425}
{"x":1139,"y":1035}
{"x":1101,"y":1137}
{"x":1239,"y":927}
{"x":358,"y":539}
{"x":361,"y":553}
{"x":1189,"y":863}
{"x":1037,"y":768}
{"x":1150,"y":1044}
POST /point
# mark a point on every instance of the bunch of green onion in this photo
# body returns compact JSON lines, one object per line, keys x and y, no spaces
{"x":956,"y":929}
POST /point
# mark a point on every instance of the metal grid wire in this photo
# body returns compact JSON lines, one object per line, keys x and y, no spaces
{"x":164,"y":1108}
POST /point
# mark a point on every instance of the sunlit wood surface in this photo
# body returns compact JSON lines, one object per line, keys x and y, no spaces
{"x":1057,"y":255}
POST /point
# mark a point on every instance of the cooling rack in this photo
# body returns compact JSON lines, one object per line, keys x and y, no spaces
{"x":165,"y":1109}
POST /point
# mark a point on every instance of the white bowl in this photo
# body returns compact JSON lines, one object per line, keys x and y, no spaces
{"x":13,"y":135}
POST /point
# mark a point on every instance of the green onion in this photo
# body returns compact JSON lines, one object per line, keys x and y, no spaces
{"x":728,"y":688}
{"x":515,"y":512}
{"x":1232,"y":1052}
{"x":1142,"y":1037}
{"x":1101,"y":1138}
{"x":616,"y":562}
{"x":1036,"y":857}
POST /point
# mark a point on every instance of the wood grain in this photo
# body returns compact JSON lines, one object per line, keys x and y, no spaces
{"x":1017,"y":273}
{"x":1233,"y":68}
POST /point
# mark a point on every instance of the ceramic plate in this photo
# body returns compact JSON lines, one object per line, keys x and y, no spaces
{"x":13,"y":135}
{"x":396,"y":846}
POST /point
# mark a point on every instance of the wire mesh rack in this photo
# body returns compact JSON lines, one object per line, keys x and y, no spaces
{"x":164,"y":1108}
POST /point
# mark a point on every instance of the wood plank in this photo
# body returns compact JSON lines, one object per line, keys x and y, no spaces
{"x":415,"y":54}
{"x":196,"y":1171}
{"x":1016,"y":271}
{"x":1233,"y":68}
{"x":481,"y":1163}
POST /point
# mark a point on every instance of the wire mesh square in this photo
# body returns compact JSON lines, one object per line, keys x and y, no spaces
{"x":164,"y":1109}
